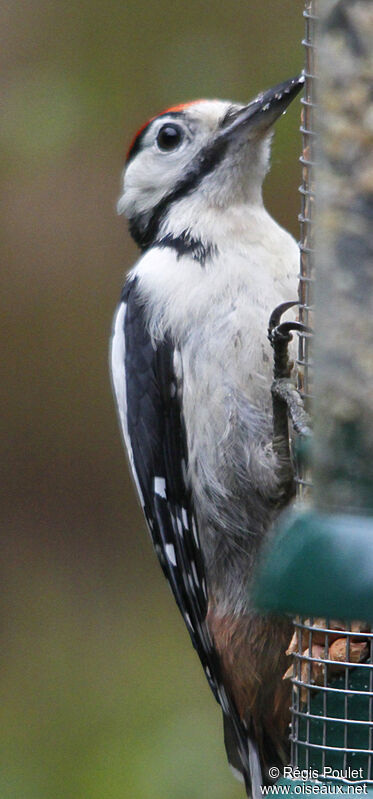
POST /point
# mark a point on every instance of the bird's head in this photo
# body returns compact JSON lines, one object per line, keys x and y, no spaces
{"x":204,"y":154}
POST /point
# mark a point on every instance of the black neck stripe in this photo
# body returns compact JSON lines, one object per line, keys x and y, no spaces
{"x":187,"y":245}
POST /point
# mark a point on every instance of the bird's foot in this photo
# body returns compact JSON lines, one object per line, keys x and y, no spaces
{"x":280,"y":334}
{"x":286,"y":399}
{"x":285,"y":394}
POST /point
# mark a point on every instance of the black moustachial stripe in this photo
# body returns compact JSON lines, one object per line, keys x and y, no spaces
{"x":185,"y":244}
{"x":145,"y":227}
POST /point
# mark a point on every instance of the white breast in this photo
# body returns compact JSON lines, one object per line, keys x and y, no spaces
{"x":231,"y":298}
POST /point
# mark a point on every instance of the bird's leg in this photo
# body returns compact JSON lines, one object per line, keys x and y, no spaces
{"x":286,"y":400}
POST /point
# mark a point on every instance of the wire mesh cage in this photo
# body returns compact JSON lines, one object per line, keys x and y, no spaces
{"x":332,"y":699}
{"x":307,"y":227}
{"x":307,"y":191}
{"x":332,"y":671}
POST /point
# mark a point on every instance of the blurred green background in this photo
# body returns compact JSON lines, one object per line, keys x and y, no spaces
{"x":102,"y":696}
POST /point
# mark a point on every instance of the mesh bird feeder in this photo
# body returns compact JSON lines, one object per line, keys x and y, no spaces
{"x":319,"y":565}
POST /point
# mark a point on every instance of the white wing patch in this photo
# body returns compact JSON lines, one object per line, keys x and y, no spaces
{"x":160,"y":487}
{"x":118,"y":375}
{"x":170,"y":552}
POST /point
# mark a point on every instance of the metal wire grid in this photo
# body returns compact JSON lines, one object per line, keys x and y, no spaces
{"x":332,"y":709}
{"x":306,"y":219}
{"x":332,"y":706}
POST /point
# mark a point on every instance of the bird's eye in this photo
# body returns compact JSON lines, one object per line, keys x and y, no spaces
{"x":169,"y":137}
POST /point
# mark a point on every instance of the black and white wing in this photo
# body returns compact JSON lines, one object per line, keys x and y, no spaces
{"x":148,"y":399}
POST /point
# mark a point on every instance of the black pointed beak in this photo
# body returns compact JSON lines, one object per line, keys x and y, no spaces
{"x":258,"y":116}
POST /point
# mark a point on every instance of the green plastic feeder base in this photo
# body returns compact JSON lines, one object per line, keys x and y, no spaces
{"x":318,"y":565}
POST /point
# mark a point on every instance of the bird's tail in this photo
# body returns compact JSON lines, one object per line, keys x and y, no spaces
{"x":252,"y":778}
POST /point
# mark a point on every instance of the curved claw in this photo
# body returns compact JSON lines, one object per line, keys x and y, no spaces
{"x":286,"y":328}
{"x":276,"y":315}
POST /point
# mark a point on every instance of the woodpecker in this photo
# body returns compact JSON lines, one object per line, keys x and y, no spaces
{"x":192,"y":373}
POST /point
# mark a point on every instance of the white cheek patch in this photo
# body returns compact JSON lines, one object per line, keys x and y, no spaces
{"x":152,"y":173}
